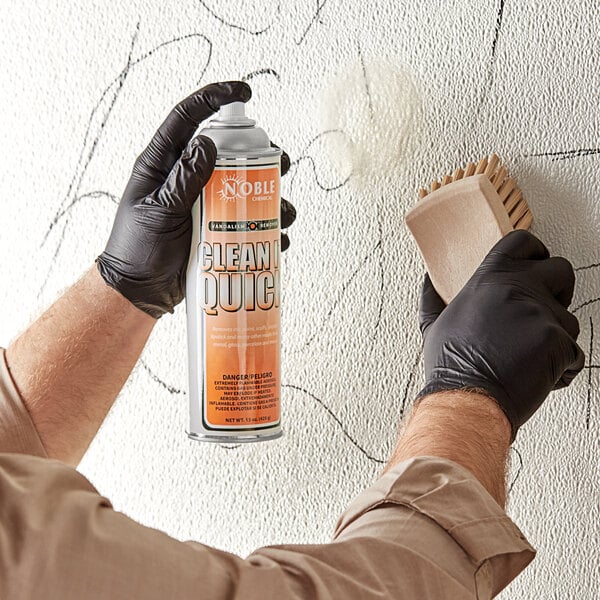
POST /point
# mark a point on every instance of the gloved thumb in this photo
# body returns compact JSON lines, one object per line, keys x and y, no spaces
{"x":188,"y":176}
{"x":518,"y":244}
{"x":430,"y":305}
{"x":574,"y":368}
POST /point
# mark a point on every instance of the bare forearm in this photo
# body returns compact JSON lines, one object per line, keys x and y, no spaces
{"x":467,"y":428}
{"x":70,"y":364}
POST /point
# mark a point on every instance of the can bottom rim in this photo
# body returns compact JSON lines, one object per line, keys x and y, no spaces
{"x":238,"y":439}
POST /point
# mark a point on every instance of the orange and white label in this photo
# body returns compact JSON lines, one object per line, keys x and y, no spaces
{"x":240,"y":295}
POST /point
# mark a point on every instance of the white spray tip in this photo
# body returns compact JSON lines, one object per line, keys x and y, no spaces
{"x":236,"y":111}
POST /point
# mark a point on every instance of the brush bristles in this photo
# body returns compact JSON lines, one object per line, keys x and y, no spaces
{"x":516,"y":206}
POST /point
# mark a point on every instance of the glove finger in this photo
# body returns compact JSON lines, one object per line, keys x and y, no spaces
{"x":558,"y":276}
{"x":189,"y":175}
{"x":520,"y":244}
{"x":285,"y":242}
{"x":568,"y":321}
{"x":287,"y":213}
{"x":573,"y":370}
{"x":172,"y":136}
{"x":285,"y":159}
{"x":430,"y":305}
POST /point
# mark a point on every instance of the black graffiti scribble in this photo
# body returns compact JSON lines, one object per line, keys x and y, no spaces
{"x":336,"y":419}
{"x":264,"y":71}
{"x":486,"y":85}
{"x":322,"y":186}
{"x":118,"y":82}
{"x":519,"y":469}
{"x":320,"y":4}
{"x":585,"y":267}
{"x":584,"y":304}
{"x":171,"y":389}
{"x":241,"y":27}
{"x":75,"y":181}
{"x":566,"y":154}
{"x":305,"y":157}
{"x":409,"y":381}
{"x":111,"y":93}
{"x":498,"y":27}
{"x":94,"y":195}
{"x":379,"y":246}
{"x":340,"y":295}
{"x":588,"y":409}
{"x":491,"y":67}
{"x":366,"y":81}
{"x":590,"y":367}
{"x":379,"y":223}
{"x":313,"y":165}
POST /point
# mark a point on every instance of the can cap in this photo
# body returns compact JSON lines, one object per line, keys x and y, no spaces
{"x":236,"y":136}
{"x":234,"y":114}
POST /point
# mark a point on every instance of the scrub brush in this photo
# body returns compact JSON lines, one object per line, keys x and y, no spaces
{"x":457,"y":222}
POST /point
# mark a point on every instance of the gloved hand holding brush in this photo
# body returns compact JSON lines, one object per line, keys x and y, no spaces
{"x":508,"y":332}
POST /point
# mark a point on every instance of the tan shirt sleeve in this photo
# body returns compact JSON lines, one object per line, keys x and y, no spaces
{"x":17,"y":432}
{"x":426,"y":529}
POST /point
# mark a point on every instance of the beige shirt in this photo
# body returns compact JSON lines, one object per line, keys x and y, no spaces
{"x":427,"y":529}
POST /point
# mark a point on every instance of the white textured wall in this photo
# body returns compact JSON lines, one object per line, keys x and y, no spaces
{"x":83,"y":86}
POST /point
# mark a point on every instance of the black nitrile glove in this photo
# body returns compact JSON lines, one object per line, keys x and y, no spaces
{"x":508,"y":332}
{"x":148,"y":249}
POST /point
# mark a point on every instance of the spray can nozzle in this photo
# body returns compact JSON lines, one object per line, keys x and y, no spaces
{"x":235,"y":135}
{"x":233,"y":114}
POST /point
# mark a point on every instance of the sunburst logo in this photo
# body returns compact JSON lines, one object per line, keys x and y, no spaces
{"x":231,"y":188}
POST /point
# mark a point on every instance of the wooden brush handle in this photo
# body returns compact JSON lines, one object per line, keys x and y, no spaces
{"x":455,"y":227}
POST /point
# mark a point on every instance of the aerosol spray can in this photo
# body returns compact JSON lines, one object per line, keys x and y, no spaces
{"x":233,"y":288}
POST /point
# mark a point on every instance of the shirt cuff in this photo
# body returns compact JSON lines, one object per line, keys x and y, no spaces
{"x":17,"y":431}
{"x":452,"y":497}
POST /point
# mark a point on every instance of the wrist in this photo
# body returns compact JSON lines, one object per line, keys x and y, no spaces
{"x":471,"y":408}
{"x":107,"y":280}
{"x":463,"y":426}
{"x":477,"y":385}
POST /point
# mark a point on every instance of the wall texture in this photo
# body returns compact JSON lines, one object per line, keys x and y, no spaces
{"x":84,"y":85}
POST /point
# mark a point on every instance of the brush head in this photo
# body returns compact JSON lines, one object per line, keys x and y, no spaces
{"x":459,"y":219}
{"x":510,"y":195}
